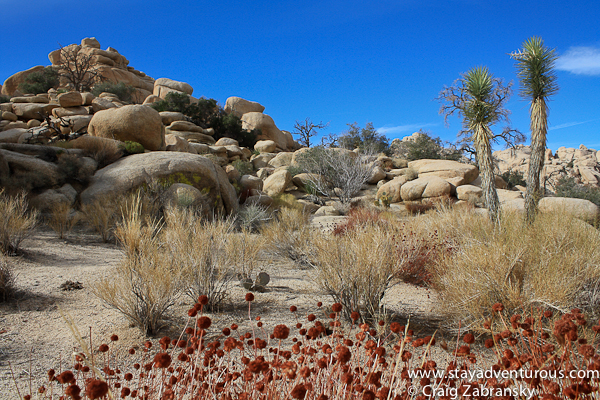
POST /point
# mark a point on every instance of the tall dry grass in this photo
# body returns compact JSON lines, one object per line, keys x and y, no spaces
{"x":164,"y":259}
{"x":7,"y":279}
{"x":145,"y":285}
{"x":62,"y":219}
{"x":554,"y":263}
{"x":16,"y":221}
{"x":356,"y":269}
{"x":202,"y":250}
{"x":103,"y":215}
{"x":289,"y":236}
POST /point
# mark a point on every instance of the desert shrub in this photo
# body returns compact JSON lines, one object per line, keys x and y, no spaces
{"x":336,"y":172}
{"x":513,"y":178}
{"x":295,"y":170}
{"x":130,"y":147}
{"x":62,"y":219}
{"x":208,"y":269}
{"x":359,"y":217}
{"x":552,"y":263}
{"x":71,"y":168}
{"x":288,"y":235}
{"x":418,"y":207}
{"x":252,"y":216}
{"x":425,"y":147}
{"x":567,"y":187}
{"x":121,"y":90}
{"x":243,"y":250}
{"x":208,"y":114}
{"x":7,"y":279}
{"x":356,"y":269}
{"x":104,"y":152}
{"x":102,"y":215}
{"x":40,"y":82}
{"x":366,"y":139}
{"x":146,"y":283}
{"x":243,"y":167}
{"x":286,"y":200}
{"x":16,"y":221}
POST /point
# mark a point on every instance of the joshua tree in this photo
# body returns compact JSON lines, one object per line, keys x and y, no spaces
{"x":479,"y":99}
{"x":535,"y":68}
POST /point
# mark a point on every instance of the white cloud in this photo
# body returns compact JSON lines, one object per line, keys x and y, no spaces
{"x":569,"y":124}
{"x":580,"y":60}
{"x":393,"y":130}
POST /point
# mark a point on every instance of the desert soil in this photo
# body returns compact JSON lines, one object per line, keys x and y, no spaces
{"x":34,"y":336}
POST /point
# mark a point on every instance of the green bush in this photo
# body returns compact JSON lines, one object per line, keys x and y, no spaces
{"x":208,"y":114}
{"x":40,"y":82}
{"x":121,"y":90}
{"x":513,"y":178}
{"x":129,"y":148}
{"x":243,"y":167}
{"x":425,"y":147}
{"x":367,"y":139}
{"x":567,"y":187}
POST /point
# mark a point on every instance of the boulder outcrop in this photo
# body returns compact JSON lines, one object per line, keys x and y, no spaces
{"x":138,"y":169}
{"x":135,"y":123}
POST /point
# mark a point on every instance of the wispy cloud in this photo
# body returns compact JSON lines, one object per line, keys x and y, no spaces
{"x":581,"y":60}
{"x":569,"y":124}
{"x":394,"y":130}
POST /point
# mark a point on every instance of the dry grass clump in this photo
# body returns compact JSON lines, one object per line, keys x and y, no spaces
{"x":146,"y":283}
{"x":320,"y":359}
{"x":103,"y":215}
{"x":289,"y":235}
{"x":203,"y":251}
{"x":7,"y":279}
{"x":356,"y":269}
{"x":62,"y":219}
{"x":16,"y":221}
{"x":164,"y":259}
{"x":368,"y":254}
{"x":104,"y":151}
{"x":552,"y":263}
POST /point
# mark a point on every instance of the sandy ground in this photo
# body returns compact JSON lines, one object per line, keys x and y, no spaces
{"x":34,"y":336}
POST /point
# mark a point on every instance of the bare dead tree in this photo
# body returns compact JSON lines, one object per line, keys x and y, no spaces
{"x":307,"y":129}
{"x":78,"y":69}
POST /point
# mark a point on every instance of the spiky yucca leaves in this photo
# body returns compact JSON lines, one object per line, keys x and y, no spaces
{"x":479,"y":99}
{"x":535,"y":68}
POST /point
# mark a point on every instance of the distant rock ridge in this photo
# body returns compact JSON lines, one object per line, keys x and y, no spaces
{"x":582,"y":164}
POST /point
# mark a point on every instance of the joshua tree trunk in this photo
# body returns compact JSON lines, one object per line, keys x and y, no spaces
{"x":486,"y":169}
{"x":539,"y":128}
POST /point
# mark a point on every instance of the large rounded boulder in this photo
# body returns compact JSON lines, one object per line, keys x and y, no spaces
{"x":133,"y":171}
{"x":136,"y":123}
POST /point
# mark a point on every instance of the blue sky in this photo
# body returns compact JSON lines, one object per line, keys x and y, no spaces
{"x":380,"y":61}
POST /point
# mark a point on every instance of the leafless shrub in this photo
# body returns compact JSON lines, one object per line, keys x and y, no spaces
{"x":337,"y":173}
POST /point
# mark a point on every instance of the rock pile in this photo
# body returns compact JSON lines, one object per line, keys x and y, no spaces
{"x":583,"y":164}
